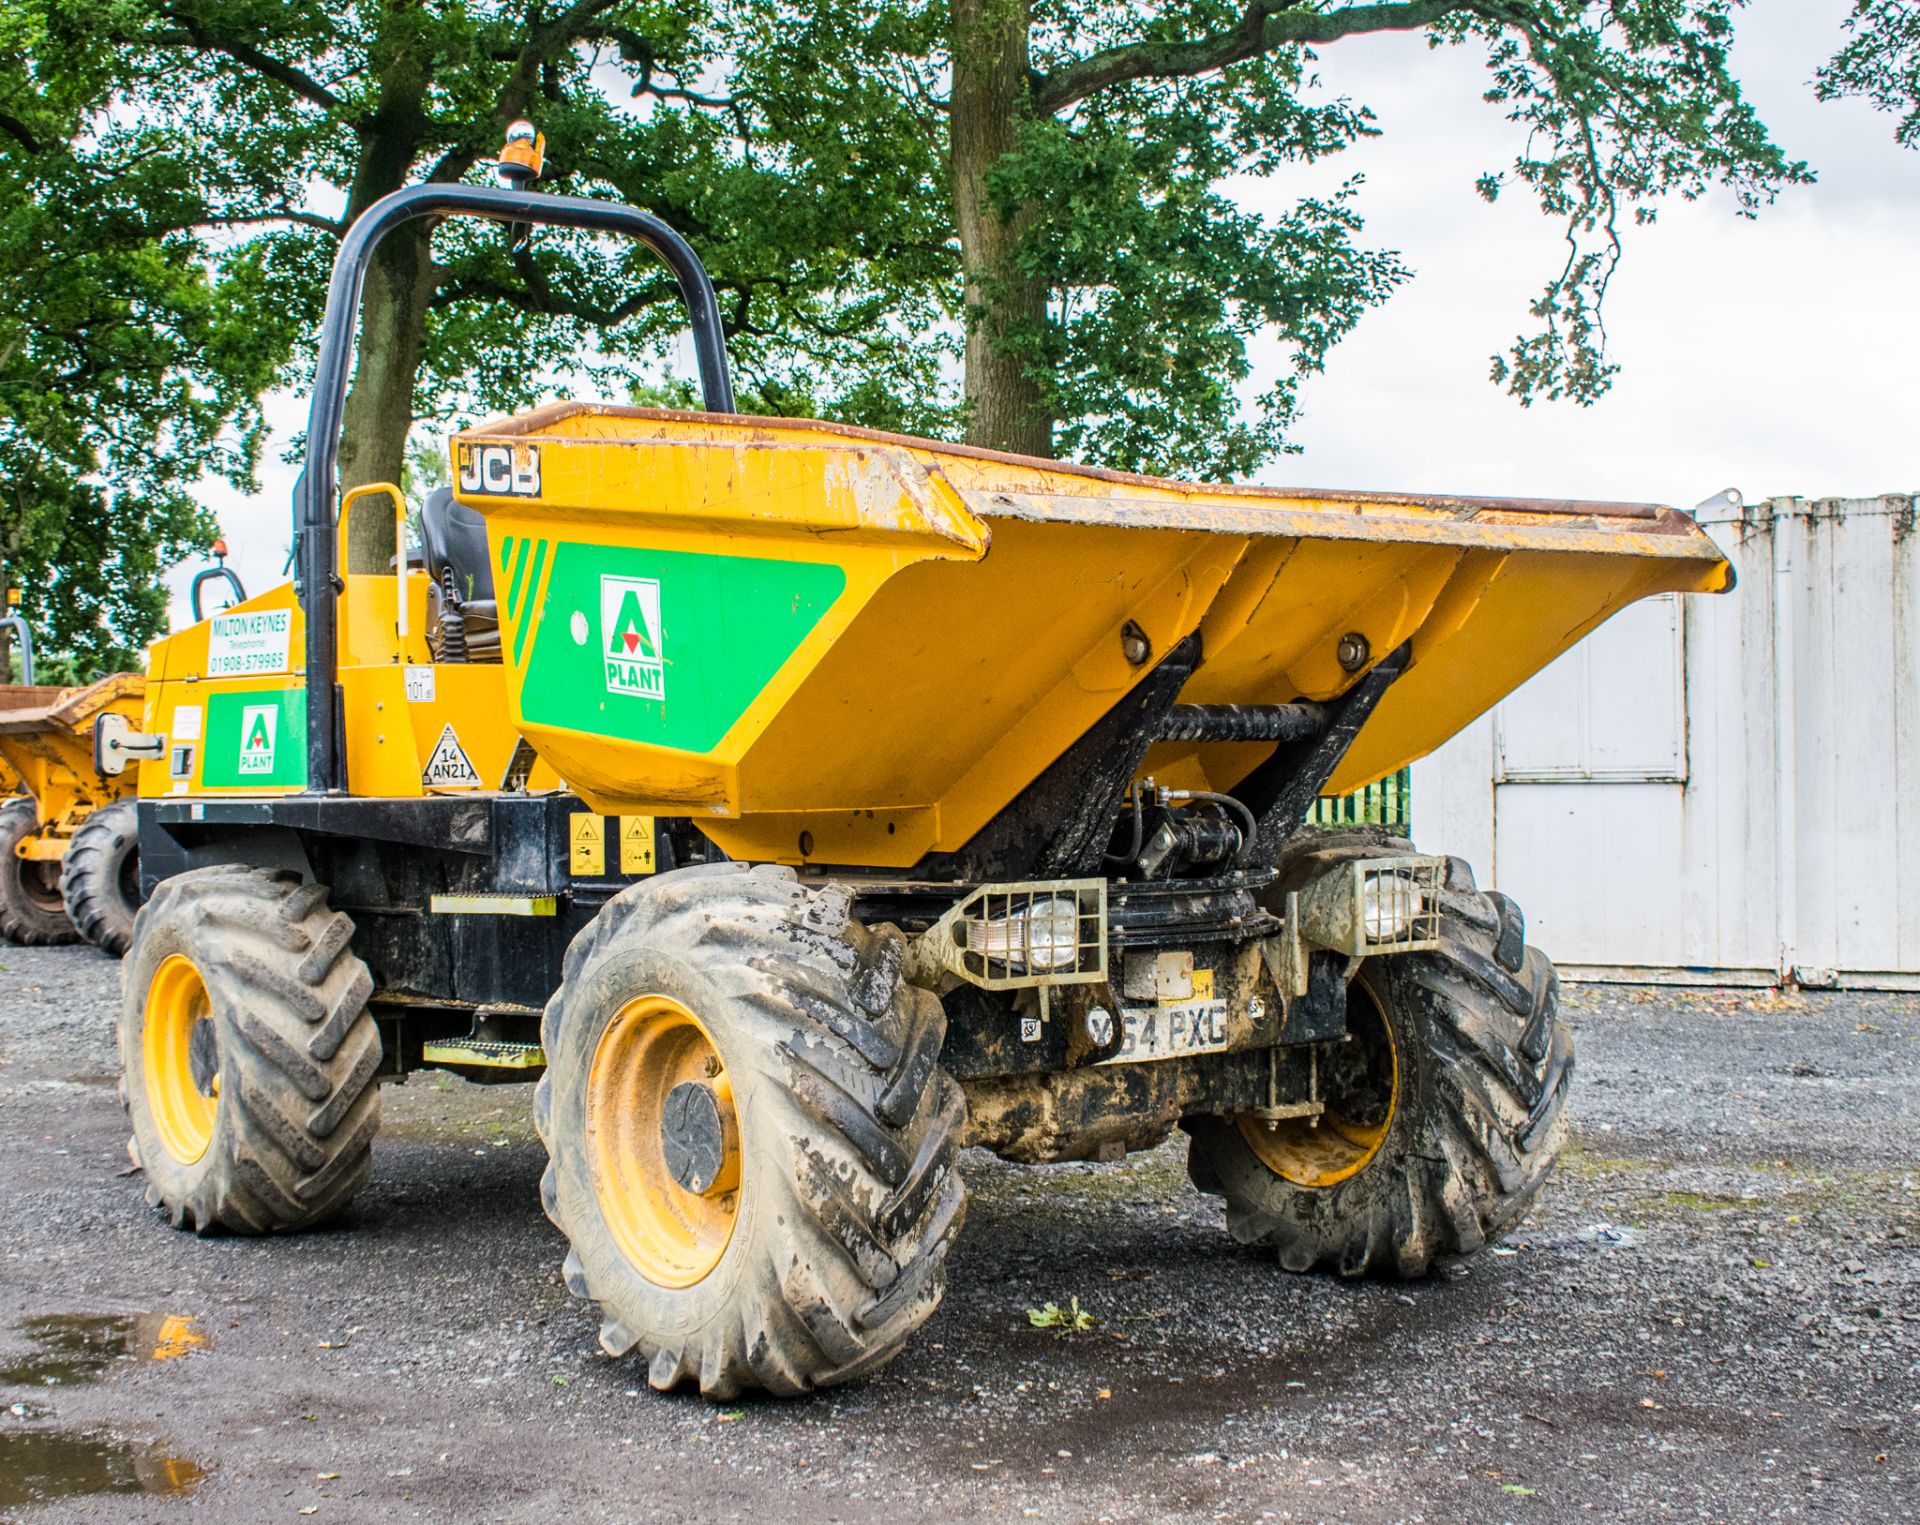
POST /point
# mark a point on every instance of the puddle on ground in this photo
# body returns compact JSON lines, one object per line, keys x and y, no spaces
{"x":1595,"y":1236}
{"x":69,"y":1348}
{"x":40,"y":1466}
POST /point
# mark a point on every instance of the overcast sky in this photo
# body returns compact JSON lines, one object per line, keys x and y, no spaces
{"x":1775,"y":356}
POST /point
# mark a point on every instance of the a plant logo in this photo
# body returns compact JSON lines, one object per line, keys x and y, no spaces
{"x":630,"y":636}
{"x":259,"y":727}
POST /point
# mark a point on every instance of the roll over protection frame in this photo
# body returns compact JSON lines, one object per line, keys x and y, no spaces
{"x":318,"y":486}
{"x":205,"y":575}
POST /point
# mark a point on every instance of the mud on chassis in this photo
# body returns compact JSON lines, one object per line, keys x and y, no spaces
{"x":754,"y":1077}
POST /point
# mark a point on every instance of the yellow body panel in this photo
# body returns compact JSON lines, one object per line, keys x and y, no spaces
{"x":855,"y":648}
{"x":397,"y":703}
{"x":46,"y":746}
{"x":979,"y":628}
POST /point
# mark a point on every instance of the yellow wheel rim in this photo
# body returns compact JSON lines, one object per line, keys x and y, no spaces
{"x":181,"y":1062}
{"x":1347,"y":1136}
{"x":663,"y":1140}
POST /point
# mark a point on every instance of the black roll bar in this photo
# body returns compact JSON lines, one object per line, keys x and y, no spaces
{"x":315,"y":492}
{"x":23,"y":638}
{"x":206,"y":575}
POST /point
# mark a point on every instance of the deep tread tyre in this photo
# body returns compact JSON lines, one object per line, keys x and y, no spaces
{"x":848,"y":1197}
{"x":294,"y":1045}
{"x":31,"y":910}
{"x":100,"y":879}
{"x":1479,"y":1117}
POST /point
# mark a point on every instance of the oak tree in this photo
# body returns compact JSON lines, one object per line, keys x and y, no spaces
{"x":1009,"y":221}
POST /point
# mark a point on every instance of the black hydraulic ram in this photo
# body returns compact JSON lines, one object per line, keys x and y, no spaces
{"x":1243,"y":722}
{"x":315,"y":493}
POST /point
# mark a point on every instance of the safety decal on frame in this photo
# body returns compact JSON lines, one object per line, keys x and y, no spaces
{"x":587,"y":841}
{"x":636,"y":844}
{"x":449,"y":767}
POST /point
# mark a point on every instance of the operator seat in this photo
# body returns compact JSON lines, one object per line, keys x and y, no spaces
{"x":463,"y":621}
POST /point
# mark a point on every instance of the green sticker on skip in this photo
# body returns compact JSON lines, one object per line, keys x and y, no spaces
{"x":255,"y":739}
{"x":666,"y":647}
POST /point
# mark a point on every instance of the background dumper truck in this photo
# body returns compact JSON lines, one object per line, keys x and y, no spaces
{"x":69,"y":840}
{"x":914,"y":797}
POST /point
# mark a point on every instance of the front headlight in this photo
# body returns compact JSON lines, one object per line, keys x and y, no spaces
{"x":1043,"y":936}
{"x":1389,"y":904}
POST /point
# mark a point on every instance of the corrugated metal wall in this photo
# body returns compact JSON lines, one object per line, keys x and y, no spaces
{"x":1718,"y":788}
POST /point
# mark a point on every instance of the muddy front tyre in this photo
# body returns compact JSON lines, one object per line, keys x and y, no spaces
{"x":31,"y":910}
{"x":751,"y":1140}
{"x":100,"y":879}
{"x":248,"y":1052}
{"x":1444,"y":1109}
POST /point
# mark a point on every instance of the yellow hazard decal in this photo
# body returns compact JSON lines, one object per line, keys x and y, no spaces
{"x":636,"y":844}
{"x":587,"y":836}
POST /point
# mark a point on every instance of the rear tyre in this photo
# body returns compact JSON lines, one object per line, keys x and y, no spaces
{"x":247,"y":1052}
{"x":100,"y":880}
{"x":751,"y":1143}
{"x":1445,"y":1110}
{"x":31,"y":910}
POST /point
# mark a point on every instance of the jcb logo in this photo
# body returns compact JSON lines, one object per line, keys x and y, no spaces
{"x":500,"y":471}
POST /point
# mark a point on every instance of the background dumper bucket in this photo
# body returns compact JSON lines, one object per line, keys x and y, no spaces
{"x":850,"y":647}
{"x":46,"y":745}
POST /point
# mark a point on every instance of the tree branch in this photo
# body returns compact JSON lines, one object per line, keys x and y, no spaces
{"x":16,"y":129}
{"x":538,"y":296}
{"x":1264,"y":27}
{"x":542,"y":41}
{"x":195,"y":32}
{"x":305,"y":219}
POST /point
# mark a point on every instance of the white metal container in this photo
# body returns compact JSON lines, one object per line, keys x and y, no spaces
{"x":1718,"y":790}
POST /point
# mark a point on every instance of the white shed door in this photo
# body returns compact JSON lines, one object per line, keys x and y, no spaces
{"x":1613,"y":709}
{"x":1590,"y":772}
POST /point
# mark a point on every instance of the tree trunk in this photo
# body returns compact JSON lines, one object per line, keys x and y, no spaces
{"x":400,"y":282}
{"x":1006,"y":409}
{"x":393,"y":322}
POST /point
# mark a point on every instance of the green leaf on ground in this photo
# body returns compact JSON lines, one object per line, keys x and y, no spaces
{"x":1072,"y":1319}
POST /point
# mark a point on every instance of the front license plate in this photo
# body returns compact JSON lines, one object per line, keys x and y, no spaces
{"x":1168,"y":1032}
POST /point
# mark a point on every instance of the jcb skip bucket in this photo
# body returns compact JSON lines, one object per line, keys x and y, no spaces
{"x":46,"y":743}
{"x":850,"y":647}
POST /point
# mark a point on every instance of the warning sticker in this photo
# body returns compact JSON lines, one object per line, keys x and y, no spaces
{"x":587,"y":838}
{"x":449,"y":767}
{"x":636,"y":844}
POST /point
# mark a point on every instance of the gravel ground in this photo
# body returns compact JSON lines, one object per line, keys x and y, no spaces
{"x":1714,"y":1314}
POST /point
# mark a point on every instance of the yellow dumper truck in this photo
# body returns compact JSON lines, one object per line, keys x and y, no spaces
{"x":68,"y":864}
{"x":914,"y":796}
{"x":69,"y":841}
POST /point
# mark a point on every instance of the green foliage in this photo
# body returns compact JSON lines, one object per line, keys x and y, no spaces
{"x":174,"y":181}
{"x":805,"y":196}
{"x":63,"y":669}
{"x":1624,"y":104}
{"x":1880,"y":62}
{"x":1072,"y":1319}
{"x":122,"y":376}
{"x":1161,"y":280}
